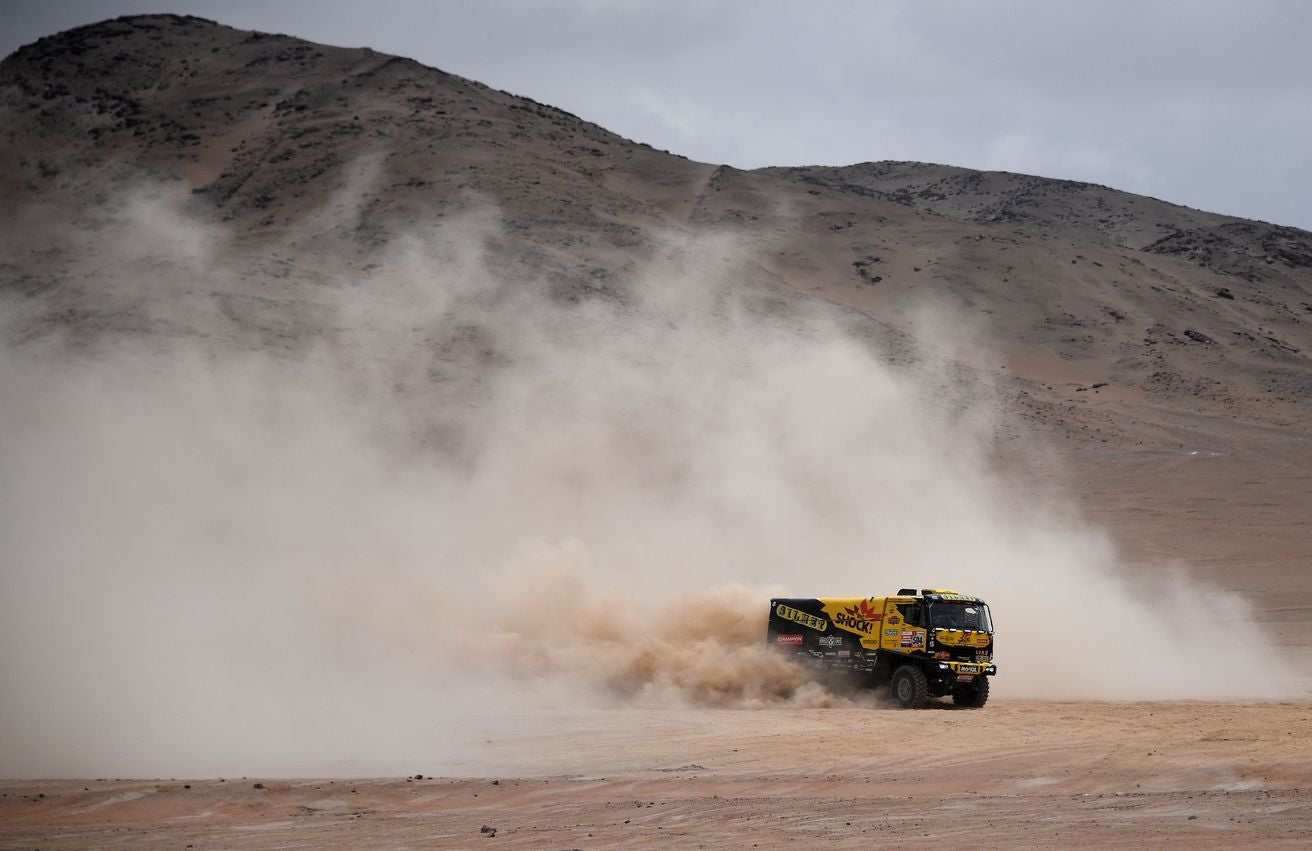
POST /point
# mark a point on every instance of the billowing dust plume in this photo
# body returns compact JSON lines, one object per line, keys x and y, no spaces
{"x":281,"y":511}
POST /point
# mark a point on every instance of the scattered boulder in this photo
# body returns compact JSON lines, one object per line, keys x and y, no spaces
{"x":865,"y":269}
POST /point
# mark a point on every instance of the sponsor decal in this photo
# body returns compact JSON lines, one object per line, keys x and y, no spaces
{"x":843,"y":654}
{"x":911,"y":638}
{"x":965,"y":678}
{"x":891,"y":632}
{"x":859,"y":618}
{"x":830,"y":640}
{"x":968,"y":669}
{"x":795,"y":639}
{"x":964,"y":597}
{"x":788,"y":613}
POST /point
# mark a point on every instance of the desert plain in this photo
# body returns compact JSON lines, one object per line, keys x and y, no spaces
{"x":1022,"y":773}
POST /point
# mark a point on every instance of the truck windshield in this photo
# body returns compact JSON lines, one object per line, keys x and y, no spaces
{"x":960,"y":616}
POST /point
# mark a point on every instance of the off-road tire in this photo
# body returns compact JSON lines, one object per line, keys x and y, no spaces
{"x":910,"y":688}
{"x":973,"y":697}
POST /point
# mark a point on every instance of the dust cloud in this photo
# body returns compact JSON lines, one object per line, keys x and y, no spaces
{"x":274,"y":511}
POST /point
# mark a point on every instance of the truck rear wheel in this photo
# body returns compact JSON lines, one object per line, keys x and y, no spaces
{"x":910,"y":687}
{"x":974,"y":696}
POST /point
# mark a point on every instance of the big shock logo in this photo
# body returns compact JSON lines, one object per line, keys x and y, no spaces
{"x":861,"y":617}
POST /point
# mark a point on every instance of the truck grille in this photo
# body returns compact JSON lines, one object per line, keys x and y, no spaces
{"x":971,"y":654}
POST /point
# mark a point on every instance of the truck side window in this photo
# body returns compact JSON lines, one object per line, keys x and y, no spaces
{"x":910,"y":614}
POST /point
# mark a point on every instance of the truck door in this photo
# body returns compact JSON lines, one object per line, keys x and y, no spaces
{"x":904,"y":627}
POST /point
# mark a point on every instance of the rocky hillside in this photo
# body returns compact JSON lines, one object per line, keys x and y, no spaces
{"x":1107,"y":316}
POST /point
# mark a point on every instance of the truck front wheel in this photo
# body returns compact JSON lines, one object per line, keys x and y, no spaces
{"x":974,"y":696}
{"x":910,"y":687}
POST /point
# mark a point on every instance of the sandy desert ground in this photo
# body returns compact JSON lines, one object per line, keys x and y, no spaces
{"x":1129,"y":775}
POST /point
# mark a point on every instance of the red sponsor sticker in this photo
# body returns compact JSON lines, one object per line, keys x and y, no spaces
{"x":965,"y":678}
{"x":864,"y":611}
{"x":788,"y":639}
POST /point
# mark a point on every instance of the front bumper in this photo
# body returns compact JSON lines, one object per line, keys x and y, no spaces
{"x":966,"y":669}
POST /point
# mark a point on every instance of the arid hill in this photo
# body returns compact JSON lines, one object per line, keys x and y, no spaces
{"x":1141,"y":334}
{"x":1077,"y":284}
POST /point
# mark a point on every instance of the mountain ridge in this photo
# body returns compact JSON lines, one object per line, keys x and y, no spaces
{"x":338,"y":149}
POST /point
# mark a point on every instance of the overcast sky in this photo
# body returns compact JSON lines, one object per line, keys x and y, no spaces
{"x":1202,"y":102}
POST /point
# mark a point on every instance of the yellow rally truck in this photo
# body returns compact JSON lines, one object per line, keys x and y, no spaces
{"x":924,"y":644}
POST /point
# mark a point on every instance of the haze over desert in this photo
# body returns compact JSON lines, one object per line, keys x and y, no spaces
{"x":393,"y":461}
